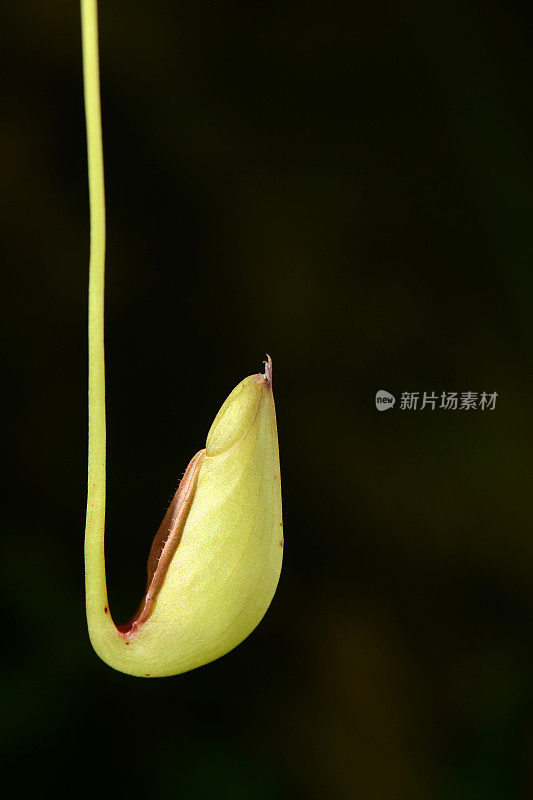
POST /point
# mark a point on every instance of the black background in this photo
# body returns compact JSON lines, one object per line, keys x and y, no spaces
{"x":347,"y":186}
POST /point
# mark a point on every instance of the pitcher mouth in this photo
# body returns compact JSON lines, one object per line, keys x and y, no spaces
{"x":164,"y":545}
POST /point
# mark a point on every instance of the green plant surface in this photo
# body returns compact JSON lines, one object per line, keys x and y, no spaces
{"x":216,"y":559}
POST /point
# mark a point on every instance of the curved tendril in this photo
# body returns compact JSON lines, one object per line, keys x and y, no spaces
{"x":216,"y":558}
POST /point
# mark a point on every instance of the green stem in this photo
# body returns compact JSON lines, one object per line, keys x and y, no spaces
{"x":98,"y":619}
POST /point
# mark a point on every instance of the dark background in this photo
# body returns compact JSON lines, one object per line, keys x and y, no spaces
{"x":347,"y":186}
